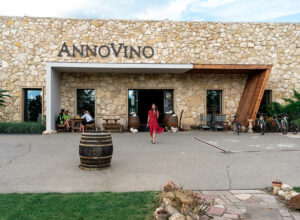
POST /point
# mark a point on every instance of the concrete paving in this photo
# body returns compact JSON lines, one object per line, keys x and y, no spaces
{"x":39,"y":163}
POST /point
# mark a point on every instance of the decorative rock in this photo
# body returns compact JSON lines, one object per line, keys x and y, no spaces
{"x":171,"y":210}
{"x":281,"y":193}
{"x":286,"y":187}
{"x":177,"y":216}
{"x":46,"y":132}
{"x":295,"y":202}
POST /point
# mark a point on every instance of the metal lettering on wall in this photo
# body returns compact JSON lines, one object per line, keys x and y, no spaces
{"x":106,"y":50}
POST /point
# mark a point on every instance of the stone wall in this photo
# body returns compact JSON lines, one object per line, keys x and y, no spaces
{"x":27,"y":44}
{"x":189,"y":92}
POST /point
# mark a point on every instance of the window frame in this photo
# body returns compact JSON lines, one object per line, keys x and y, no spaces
{"x":222,"y":110}
{"x":22,"y":101}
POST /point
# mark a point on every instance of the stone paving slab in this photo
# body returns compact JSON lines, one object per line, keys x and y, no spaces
{"x":247,"y":205}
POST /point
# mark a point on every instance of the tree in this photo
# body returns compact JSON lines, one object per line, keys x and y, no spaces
{"x":3,"y":94}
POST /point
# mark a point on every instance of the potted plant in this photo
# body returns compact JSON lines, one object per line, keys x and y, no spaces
{"x":277,"y":184}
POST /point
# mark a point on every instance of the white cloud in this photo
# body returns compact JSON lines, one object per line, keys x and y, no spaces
{"x":173,"y":10}
{"x":213,"y":10}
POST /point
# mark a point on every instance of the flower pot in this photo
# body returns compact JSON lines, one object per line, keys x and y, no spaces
{"x":277,"y":184}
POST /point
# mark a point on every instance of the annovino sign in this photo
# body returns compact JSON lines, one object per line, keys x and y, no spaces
{"x":106,"y":50}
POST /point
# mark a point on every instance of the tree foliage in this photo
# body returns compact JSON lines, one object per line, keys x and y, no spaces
{"x":292,"y":107}
{"x":3,"y":94}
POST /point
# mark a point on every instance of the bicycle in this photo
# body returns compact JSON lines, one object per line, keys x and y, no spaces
{"x":261,"y":123}
{"x":236,"y":124}
{"x":283,"y":125}
{"x":294,"y":127}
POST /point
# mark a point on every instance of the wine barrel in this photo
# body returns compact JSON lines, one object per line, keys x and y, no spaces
{"x":166,"y":116}
{"x":95,"y":150}
{"x":134,"y":122}
{"x":172,"y":121}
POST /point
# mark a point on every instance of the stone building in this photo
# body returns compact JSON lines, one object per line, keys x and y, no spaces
{"x":113,"y":67}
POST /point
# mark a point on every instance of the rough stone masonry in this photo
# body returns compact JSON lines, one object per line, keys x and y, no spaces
{"x":27,"y":44}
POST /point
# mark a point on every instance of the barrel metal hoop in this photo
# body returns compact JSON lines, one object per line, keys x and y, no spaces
{"x":86,"y":157}
{"x":95,"y":145}
{"x":97,"y":134}
{"x":95,"y":166}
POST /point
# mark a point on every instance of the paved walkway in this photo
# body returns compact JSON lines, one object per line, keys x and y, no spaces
{"x":248,"y":205}
{"x":39,"y":163}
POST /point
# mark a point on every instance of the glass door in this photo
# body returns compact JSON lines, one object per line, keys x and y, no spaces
{"x":168,"y":101}
{"x":132,"y":101}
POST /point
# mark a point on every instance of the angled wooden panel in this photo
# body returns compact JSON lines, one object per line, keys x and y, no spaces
{"x":252,"y":95}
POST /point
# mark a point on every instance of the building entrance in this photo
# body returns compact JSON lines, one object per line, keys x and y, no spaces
{"x":140,"y":100}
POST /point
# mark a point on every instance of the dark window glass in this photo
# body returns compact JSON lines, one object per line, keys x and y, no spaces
{"x":266,"y":99}
{"x":86,"y":101}
{"x":168,"y":101}
{"x":214,"y":102}
{"x":33,"y":105}
{"x":132,"y":101}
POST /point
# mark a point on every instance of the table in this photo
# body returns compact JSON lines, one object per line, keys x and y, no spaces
{"x":76,"y":124}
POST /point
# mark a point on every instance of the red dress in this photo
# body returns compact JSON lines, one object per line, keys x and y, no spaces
{"x":153,"y":124}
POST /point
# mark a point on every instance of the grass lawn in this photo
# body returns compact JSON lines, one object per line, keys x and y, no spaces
{"x":103,"y":205}
{"x":297,"y":189}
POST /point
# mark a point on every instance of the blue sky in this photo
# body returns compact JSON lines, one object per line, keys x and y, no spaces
{"x":186,"y":10}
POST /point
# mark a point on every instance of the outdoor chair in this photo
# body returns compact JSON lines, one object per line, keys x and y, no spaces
{"x":219,"y":122}
{"x":60,"y":128}
{"x":205,"y":122}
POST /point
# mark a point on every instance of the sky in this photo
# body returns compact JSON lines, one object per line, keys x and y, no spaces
{"x":179,"y":10}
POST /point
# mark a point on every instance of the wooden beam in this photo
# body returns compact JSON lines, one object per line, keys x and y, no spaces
{"x":231,"y":66}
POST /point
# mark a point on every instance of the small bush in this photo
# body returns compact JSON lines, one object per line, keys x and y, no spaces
{"x":291,"y":107}
{"x":22,"y":128}
{"x":296,"y":121}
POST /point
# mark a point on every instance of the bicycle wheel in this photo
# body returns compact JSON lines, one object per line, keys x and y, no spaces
{"x":294,"y":128}
{"x":284,"y":127}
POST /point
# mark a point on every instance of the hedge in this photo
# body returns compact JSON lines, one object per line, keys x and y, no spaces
{"x":22,"y":128}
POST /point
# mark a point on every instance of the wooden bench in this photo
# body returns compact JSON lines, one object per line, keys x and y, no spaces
{"x":112,"y":127}
{"x":90,"y":127}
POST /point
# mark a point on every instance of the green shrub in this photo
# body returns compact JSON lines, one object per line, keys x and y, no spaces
{"x":296,"y":121}
{"x":22,"y":128}
{"x":292,"y":107}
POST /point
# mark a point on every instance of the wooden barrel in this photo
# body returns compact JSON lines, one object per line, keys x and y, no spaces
{"x":134,"y":122}
{"x":172,"y":121}
{"x":166,"y":116}
{"x":95,"y":150}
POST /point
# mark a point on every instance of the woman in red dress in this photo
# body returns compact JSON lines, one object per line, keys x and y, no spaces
{"x":152,"y":123}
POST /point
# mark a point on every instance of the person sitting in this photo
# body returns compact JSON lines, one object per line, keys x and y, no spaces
{"x":66,"y":120}
{"x":87,"y":119}
{"x":60,"y":118}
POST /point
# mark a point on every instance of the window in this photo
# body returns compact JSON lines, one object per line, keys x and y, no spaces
{"x":266,"y":99}
{"x":86,"y":101}
{"x":214,"y":101}
{"x":33,"y":105}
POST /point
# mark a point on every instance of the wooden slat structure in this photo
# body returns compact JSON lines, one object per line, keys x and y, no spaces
{"x":258,"y":76}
